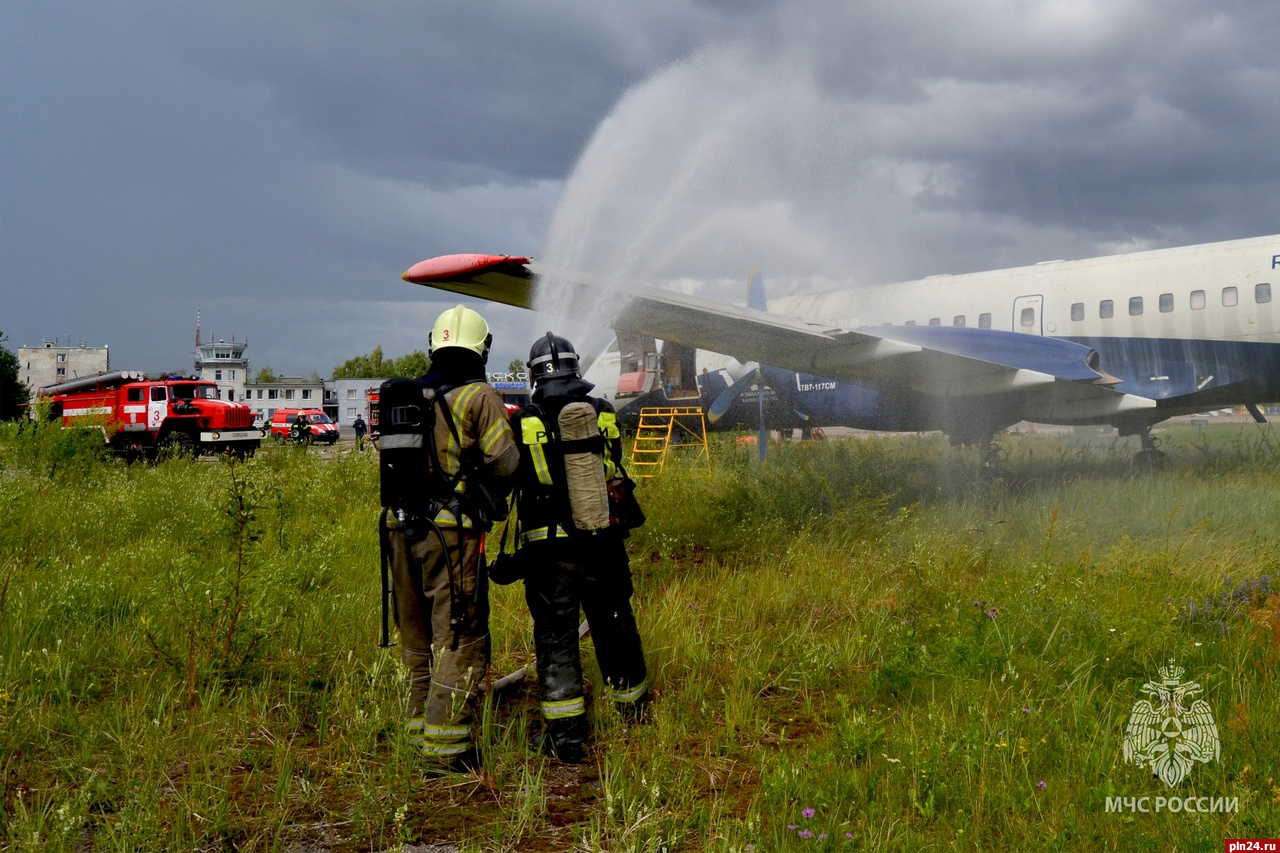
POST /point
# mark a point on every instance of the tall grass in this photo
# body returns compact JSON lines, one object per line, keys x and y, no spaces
{"x":863,"y":645}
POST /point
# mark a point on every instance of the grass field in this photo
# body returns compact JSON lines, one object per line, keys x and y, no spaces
{"x":867,"y":644}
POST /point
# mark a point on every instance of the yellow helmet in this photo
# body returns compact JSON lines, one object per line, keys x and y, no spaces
{"x":461,"y":327}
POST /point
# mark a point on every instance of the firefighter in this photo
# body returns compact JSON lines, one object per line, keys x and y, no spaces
{"x":567,"y":567}
{"x":301,"y":429}
{"x":441,"y":594}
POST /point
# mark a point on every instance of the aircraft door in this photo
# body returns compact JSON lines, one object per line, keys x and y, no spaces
{"x":1028,"y":315}
{"x":637,"y":364}
{"x":679,"y":371}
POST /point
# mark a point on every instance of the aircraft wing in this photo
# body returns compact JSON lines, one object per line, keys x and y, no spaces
{"x":1057,"y":381}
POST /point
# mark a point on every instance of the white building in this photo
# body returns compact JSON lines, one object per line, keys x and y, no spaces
{"x":52,"y":362}
{"x":285,"y":393}
{"x":350,"y":397}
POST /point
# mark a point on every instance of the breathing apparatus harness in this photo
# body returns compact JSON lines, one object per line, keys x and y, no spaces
{"x":415,"y":489}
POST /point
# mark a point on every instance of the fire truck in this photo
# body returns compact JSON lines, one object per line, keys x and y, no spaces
{"x":372,"y":411}
{"x":140,"y":415}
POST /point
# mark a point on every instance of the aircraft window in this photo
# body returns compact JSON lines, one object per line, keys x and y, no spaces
{"x":1077,"y":311}
{"x":1229,"y":296}
{"x":1028,"y":318}
{"x":984,"y":321}
{"x":1106,"y":309}
{"x":909,"y":323}
{"x":1262,"y":293}
{"x":1135,"y":306}
{"x":935,"y":321}
{"x":1197,"y":300}
{"x":1166,"y":303}
{"x":958,"y":321}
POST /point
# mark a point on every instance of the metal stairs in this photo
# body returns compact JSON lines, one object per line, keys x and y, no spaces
{"x":663,"y":429}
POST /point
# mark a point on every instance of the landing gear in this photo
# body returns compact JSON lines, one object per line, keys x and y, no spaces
{"x":993,"y":459}
{"x":991,"y":455}
{"x":1150,"y":457}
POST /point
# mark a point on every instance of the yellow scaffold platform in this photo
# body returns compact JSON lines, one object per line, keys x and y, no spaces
{"x":667,"y":428}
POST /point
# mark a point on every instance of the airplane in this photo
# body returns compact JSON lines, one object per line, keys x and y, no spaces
{"x":1127,"y":341}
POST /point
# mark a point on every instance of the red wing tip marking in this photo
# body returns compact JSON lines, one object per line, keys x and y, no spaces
{"x":448,"y":267}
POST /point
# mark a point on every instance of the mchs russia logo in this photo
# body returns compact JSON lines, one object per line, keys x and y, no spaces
{"x":1172,"y":730}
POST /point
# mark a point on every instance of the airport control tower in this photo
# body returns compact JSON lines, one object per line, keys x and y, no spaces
{"x":223,"y":362}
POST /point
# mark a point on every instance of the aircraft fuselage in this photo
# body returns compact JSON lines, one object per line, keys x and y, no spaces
{"x":1192,"y":328}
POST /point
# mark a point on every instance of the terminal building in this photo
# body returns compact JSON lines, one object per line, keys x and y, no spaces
{"x":287,"y":392}
{"x":53,"y":362}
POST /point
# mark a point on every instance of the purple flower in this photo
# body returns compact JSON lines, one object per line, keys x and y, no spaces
{"x":791,"y":826}
{"x":1026,"y":710}
{"x":808,"y":812}
{"x":822,"y":836}
{"x":1042,"y":784}
{"x":849,"y":835}
{"x":804,"y":833}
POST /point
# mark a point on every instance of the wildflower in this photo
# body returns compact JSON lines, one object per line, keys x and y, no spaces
{"x":1026,"y":710}
{"x":849,"y":835}
{"x":804,"y":833}
{"x":791,"y":826}
{"x":1042,"y":784}
{"x":807,"y":812}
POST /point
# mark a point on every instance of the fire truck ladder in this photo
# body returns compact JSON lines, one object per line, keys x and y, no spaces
{"x":666,"y":428}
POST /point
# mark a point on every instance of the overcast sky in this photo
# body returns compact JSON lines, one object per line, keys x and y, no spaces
{"x":278,"y":164}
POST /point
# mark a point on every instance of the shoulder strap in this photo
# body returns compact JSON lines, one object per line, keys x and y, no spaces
{"x":440,"y":392}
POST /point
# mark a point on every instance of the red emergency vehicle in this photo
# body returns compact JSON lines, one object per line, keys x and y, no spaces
{"x":139,"y":415}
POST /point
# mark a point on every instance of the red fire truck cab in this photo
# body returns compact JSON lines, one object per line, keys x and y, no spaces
{"x":139,"y":415}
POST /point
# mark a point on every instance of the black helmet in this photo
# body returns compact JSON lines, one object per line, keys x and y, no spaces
{"x":552,"y":357}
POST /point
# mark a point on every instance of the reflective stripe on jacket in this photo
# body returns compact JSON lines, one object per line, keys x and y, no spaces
{"x":481,"y":420}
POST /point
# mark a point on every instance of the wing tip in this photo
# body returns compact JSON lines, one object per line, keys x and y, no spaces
{"x":446,"y":267}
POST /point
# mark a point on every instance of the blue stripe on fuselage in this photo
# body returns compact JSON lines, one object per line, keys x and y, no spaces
{"x":1169,"y":368}
{"x":1178,"y":373}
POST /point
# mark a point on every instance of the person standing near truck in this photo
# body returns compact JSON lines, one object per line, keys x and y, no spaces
{"x":360,"y":429}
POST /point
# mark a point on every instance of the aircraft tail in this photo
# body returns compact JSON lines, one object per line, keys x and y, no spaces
{"x":755,"y":292}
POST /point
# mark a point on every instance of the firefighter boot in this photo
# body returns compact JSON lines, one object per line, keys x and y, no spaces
{"x":566,"y":739}
{"x":635,"y":711}
{"x":466,"y":762}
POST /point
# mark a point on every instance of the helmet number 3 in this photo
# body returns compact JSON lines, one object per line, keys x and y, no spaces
{"x":445,"y":336}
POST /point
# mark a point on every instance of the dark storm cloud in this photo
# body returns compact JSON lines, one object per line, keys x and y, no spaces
{"x":833,"y":142}
{"x":279,"y":164}
{"x":160,"y":157}
{"x":1133,"y":117}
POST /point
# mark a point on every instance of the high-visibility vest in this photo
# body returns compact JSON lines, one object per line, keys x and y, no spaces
{"x":543,"y":505}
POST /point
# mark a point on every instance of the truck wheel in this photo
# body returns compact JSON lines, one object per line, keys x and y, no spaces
{"x":176,"y":444}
